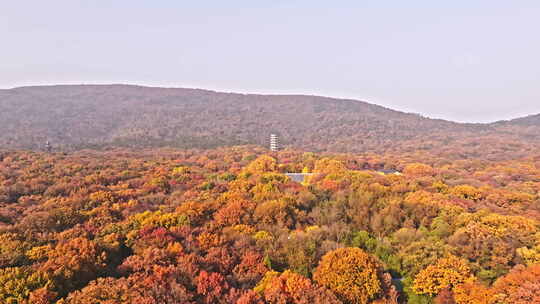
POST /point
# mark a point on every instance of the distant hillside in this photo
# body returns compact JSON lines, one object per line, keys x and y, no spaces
{"x":531,"y":120}
{"x":101,"y":116}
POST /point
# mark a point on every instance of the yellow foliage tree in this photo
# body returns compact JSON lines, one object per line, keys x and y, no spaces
{"x":351,"y":273}
{"x":418,"y":169}
{"x":330,"y":166}
{"x":265,"y":281}
{"x":466,"y":192}
{"x":16,"y":283}
{"x":531,"y":256}
{"x":445,"y":273}
{"x":263,"y":163}
{"x":158,"y":219}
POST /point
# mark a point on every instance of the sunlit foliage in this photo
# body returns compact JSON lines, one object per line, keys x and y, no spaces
{"x":228,"y":226}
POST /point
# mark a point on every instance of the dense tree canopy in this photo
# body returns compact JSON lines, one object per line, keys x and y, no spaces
{"x":228,"y":226}
{"x":351,"y":273}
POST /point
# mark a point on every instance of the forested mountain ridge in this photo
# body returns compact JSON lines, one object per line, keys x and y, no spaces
{"x":96,"y":116}
{"x":530,"y":120}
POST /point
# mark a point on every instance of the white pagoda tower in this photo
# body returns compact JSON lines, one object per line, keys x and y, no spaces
{"x":274,"y":143}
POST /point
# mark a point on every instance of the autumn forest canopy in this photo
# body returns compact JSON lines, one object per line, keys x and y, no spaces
{"x":165,"y":196}
{"x":228,"y":226}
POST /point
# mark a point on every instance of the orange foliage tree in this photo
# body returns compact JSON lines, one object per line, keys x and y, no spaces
{"x":290,"y":287}
{"x":418,"y":169}
{"x":473,"y":293}
{"x":352,"y":274}
{"x":520,"y":286}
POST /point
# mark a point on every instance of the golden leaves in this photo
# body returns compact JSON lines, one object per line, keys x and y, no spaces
{"x":445,"y":273}
{"x":351,"y":273}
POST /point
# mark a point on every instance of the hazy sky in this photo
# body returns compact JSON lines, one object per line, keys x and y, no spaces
{"x":463,"y":60}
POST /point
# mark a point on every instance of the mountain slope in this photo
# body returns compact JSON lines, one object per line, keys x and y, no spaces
{"x":531,"y":120}
{"x":74,"y":117}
